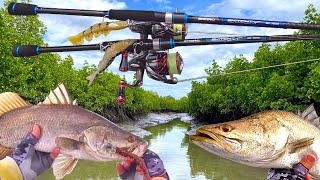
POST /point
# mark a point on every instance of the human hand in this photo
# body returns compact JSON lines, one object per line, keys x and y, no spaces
{"x":32,"y":163}
{"x":129,"y":170}
{"x":298,"y":172}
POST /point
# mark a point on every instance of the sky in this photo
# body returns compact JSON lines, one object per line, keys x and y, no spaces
{"x":196,"y":58}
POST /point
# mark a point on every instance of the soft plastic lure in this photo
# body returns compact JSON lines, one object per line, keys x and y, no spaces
{"x":96,"y":30}
{"x":137,"y":159}
{"x":111,"y":52}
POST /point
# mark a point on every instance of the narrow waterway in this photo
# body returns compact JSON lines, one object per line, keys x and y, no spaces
{"x":183,"y":160}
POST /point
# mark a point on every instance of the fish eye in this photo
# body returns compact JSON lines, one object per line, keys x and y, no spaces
{"x":225,"y":128}
{"x":131,"y":139}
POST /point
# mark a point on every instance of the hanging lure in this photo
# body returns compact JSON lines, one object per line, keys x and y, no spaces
{"x":121,"y":93}
{"x":96,"y":30}
{"x":111,"y":52}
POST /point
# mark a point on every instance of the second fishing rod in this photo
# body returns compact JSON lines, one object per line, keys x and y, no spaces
{"x":155,"y":16}
{"x":159,"y":44}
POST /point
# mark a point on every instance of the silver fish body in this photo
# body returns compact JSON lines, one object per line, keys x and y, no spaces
{"x":79,"y":133}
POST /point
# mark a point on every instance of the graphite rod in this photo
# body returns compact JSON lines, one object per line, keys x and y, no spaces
{"x":155,"y":16}
{"x":144,"y":45}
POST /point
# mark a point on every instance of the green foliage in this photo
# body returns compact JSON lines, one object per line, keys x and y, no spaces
{"x":292,"y":87}
{"x":33,"y":77}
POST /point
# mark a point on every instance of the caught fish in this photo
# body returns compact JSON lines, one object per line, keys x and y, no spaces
{"x":270,"y":139}
{"x":96,"y":30}
{"x":79,"y":133}
{"x":113,"y":51}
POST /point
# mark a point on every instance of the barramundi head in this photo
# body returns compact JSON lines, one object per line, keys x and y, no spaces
{"x":100,"y":143}
{"x":270,"y":139}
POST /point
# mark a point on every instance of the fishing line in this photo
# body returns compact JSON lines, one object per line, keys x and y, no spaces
{"x":248,"y":70}
{"x":213,"y":32}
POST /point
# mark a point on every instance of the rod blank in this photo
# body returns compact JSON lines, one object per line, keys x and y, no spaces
{"x":30,"y":9}
{"x":155,"y":16}
{"x":33,"y":50}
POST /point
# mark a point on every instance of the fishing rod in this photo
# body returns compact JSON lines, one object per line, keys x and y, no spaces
{"x":155,"y":16}
{"x":157,"y":44}
{"x":167,"y":29}
{"x":152,"y":55}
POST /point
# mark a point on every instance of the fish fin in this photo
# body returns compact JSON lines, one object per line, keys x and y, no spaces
{"x":311,"y":115}
{"x":63,"y":165}
{"x":280,"y":146}
{"x":67,"y":143}
{"x":10,"y":101}
{"x":273,"y":156}
{"x":4,"y":152}
{"x":300,"y":144}
{"x":58,"y":96}
{"x":307,"y":111}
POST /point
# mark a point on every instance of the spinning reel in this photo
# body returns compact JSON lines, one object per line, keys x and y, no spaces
{"x":167,"y":30}
{"x":158,"y":63}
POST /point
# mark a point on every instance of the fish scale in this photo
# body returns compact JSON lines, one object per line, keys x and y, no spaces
{"x":79,"y":133}
{"x":54,"y":117}
{"x":269,"y":139}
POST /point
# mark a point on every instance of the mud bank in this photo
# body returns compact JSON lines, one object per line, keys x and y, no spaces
{"x":152,"y":119}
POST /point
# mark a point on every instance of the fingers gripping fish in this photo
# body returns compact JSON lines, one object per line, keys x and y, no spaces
{"x":79,"y":133}
{"x":113,"y":51}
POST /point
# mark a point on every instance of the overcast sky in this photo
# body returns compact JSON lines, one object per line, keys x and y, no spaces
{"x":196,"y":59}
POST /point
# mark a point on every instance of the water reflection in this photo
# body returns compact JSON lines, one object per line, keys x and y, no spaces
{"x":183,"y":160}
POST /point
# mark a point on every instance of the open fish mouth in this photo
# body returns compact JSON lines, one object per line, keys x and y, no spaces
{"x":139,"y":149}
{"x":219,"y":141}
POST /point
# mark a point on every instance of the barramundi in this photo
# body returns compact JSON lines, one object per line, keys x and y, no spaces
{"x":79,"y":133}
{"x":269,"y":139}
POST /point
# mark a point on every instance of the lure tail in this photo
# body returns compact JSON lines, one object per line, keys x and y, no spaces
{"x":91,"y":78}
{"x":96,"y":30}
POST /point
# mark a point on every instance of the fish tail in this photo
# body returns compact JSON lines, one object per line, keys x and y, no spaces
{"x":92,"y":77}
{"x":96,"y":30}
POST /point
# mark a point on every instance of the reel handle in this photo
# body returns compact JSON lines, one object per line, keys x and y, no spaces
{"x":33,"y":50}
{"x":22,"y":9}
{"x":25,"y":51}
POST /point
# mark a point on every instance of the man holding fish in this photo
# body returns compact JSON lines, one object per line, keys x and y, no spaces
{"x":27,"y":163}
{"x":81,"y":134}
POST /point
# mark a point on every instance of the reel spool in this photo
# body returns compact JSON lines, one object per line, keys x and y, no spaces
{"x":169,"y":31}
{"x":182,"y":29}
{"x":161,"y":64}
